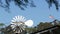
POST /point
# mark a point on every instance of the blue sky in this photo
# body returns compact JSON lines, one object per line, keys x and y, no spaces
{"x":40,"y":13}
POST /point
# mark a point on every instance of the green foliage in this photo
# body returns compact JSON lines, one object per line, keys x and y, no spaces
{"x":7,"y":30}
{"x":24,"y":3}
{"x":20,"y":3}
{"x":55,"y":2}
{"x":1,"y":24}
{"x":42,"y":25}
{"x":29,"y":30}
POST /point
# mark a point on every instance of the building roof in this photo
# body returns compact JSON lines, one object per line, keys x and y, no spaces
{"x":47,"y":29}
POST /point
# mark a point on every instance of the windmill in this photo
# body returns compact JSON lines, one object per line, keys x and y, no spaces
{"x":19,"y":23}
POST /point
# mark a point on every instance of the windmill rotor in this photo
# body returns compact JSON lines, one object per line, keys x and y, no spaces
{"x":19,"y":23}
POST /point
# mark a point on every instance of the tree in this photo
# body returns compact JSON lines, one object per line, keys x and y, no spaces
{"x":42,"y":25}
{"x":7,"y":30}
{"x":24,"y":3}
{"x":55,"y":2}
{"x":30,"y":29}
{"x":1,"y":25}
{"x":20,"y":3}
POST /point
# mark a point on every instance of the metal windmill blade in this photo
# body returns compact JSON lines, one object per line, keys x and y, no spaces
{"x":18,"y":21}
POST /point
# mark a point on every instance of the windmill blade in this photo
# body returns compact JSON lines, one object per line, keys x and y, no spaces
{"x":13,"y":20}
{"x":18,"y":19}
